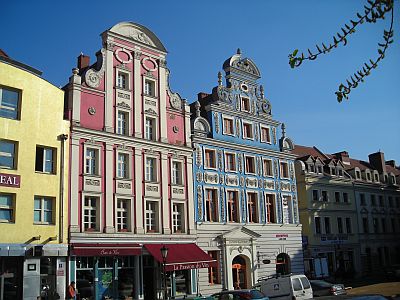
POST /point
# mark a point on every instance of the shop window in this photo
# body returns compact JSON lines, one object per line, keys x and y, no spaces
{"x":250,"y":164}
{"x":7,"y":207}
{"x":122,"y":122}
{"x":284,"y":170}
{"x":317,"y":224}
{"x":92,"y":161}
{"x":151,"y":169}
{"x":123,"y":215}
{"x":211,"y":210}
{"x":151,"y":216}
{"x":233,"y":207}
{"x":270,"y":205}
{"x":149,"y":88}
{"x":214,"y":275}
{"x":9,"y":103}
{"x":178,"y":218}
{"x":245,"y":104}
{"x":267,"y":166}
{"x":365,"y":224}
{"x":150,"y":129}
{"x":91,"y":213}
{"x":8,"y":154}
{"x":337,"y":197}
{"x":177,"y":173}
{"x":45,"y":160}
{"x":122,"y":165}
{"x":348,"y":226}
{"x":327,"y":223}
{"x":247,"y":131}
{"x":325,"y":196}
{"x":230,"y":161}
{"x":265,"y":135}
{"x":252,"y":208}
{"x":209,"y":158}
{"x":43,"y":210}
{"x":340,"y":225}
{"x":228,"y":126}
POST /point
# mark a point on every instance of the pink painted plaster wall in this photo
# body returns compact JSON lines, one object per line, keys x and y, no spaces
{"x":95,"y":121}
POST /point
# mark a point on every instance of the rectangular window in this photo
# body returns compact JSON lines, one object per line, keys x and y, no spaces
{"x":176,"y":172}
{"x":252,"y":207}
{"x":373,"y":200}
{"x":211,"y":211}
{"x":92,"y":161}
{"x":151,"y":169}
{"x":311,"y":168}
{"x":245,"y":104}
{"x":151,"y":216}
{"x":123,"y":215}
{"x":327,"y":223}
{"x":315,"y":195}
{"x":250,"y":165}
{"x":348,"y":226}
{"x":365,"y":225}
{"x":381,"y":204}
{"x":393,"y":223}
{"x":317,"y":224}
{"x":149,"y":132}
{"x":209,"y":158}
{"x":265,"y":135}
{"x":122,"y":80}
{"x":267,"y":164}
{"x":122,"y":165}
{"x":247,"y":131}
{"x":340,"y":225}
{"x":43,"y":210}
{"x":390,"y":200}
{"x":284,"y":170}
{"x":7,"y":207}
{"x":362,"y":200}
{"x":325,"y":196}
{"x":122,"y":123}
{"x":337,"y":197}
{"x":270,"y":205}
{"x":233,"y":207}
{"x":228,"y":126}
{"x":345,"y":198}
{"x":177,"y":218}
{"x":8,"y":154}
{"x":368,"y":176}
{"x":383,"y":225}
{"x":9,"y":103}
{"x":90,"y":214}
{"x":214,"y":276}
{"x":45,"y":160}
{"x":319,"y":168}
{"x":375,"y":224}
{"x":230,"y":161}
{"x":149,"y":88}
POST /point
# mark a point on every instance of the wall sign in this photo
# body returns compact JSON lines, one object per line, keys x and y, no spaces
{"x":10,"y":180}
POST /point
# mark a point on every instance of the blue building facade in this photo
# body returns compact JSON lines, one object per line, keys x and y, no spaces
{"x":246,"y":204}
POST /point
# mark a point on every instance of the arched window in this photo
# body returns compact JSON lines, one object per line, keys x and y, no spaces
{"x":283,"y":264}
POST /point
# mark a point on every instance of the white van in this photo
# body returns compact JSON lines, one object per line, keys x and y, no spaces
{"x":286,"y":287}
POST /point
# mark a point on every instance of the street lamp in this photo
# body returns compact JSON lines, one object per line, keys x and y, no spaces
{"x":164,"y":254}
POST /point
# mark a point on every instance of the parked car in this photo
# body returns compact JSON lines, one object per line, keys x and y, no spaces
{"x":240,"y":295}
{"x":325,"y":288}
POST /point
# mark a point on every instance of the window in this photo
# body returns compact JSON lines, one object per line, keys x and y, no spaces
{"x":45,"y":160}
{"x":214,"y":276}
{"x":252,"y":207}
{"x":90,"y":214}
{"x":358,"y":174}
{"x":267,"y":164}
{"x":209,"y":158}
{"x":383,"y":225}
{"x":233,"y":207}
{"x":230,"y":161}
{"x":176,"y":172}
{"x":7,"y":207}
{"x":397,"y":202}
{"x":150,"y":169}
{"x":177,"y":218}
{"x":284,"y":170}
{"x":122,"y":80}
{"x":333,"y":171}
{"x":92,"y":161}
{"x":245,"y":104}
{"x":327,"y":223}
{"x":362,"y":200}
{"x":151,"y":216}
{"x":247,"y":131}
{"x":365,"y":225}
{"x":270,"y":205}
{"x":381,"y":204}
{"x":311,"y":168}
{"x":319,"y":168}
{"x":393,"y":222}
{"x":368,"y":175}
{"x":373,"y":200}
{"x":123,"y":215}
{"x":348,"y":226}
{"x":390,"y":200}
{"x":250,"y":165}
{"x":149,"y":88}
{"x":315,"y":195}
{"x":340,"y":225}
{"x":8,"y":154}
{"x":337,"y":197}
{"x":340,"y":171}
{"x":9,"y":103}
{"x":325,"y":196}
{"x":211,"y":211}
{"x":122,"y":165}
{"x":376,"y":176}
{"x":228,"y":126}
{"x":122,"y":123}
{"x":317,"y":224}
{"x":149,"y":131}
{"x":265,"y":135}
{"x":375,"y":224}
{"x":43,"y":210}
{"x":345,"y":197}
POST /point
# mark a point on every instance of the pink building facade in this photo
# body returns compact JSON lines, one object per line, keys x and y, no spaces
{"x":131,"y":185}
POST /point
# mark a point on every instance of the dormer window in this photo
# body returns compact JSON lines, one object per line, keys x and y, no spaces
{"x":392,"y":179}
{"x":385,"y":178}
{"x":333,"y":171}
{"x":319,"y":169}
{"x":376,"y":176}
{"x":245,"y":102}
{"x":340,"y":172}
{"x":358,"y":174}
{"x":368,"y":175}
{"x":312,"y":168}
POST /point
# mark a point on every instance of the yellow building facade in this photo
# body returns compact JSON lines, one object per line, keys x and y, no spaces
{"x":33,"y":184}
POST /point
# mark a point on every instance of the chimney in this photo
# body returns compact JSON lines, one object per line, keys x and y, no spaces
{"x":202,"y":95}
{"x":83,"y":61}
{"x":377,"y":161}
{"x":343,"y":156}
{"x":391,"y":163}
{"x":3,"y":53}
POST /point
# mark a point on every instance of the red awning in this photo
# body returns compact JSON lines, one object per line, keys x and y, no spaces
{"x":105,"y":249}
{"x":182,"y":256}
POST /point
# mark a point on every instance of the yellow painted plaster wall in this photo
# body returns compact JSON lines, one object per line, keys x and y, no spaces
{"x":41,"y":123}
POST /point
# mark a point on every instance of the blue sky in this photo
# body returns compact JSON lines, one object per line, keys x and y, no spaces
{"x":200,"y":35}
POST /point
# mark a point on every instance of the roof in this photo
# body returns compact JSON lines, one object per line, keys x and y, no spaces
{"x":304,"y":152}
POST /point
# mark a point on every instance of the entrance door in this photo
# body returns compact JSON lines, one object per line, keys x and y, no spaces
{"x":239,"y":273}
{"x":283,"y":264}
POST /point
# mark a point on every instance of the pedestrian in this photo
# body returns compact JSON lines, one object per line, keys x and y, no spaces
{"x":71,"y":291}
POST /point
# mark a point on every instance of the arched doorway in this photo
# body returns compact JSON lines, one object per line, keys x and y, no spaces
{"x":239,"y":273}
{"x":283,"y":264}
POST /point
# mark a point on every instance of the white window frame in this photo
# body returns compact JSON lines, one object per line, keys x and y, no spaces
{"x":224,"y":131}
{"x":254,"y":164}
{"x":178,"y":217}
{"x":10,"y":208}
{"x":226,"y":161}
{"x":14,"y":155}
{"x":119,"y":214}
{"x":123,"y":130}
{"x":357,"y":173}
{"x":154,"y":167}
{"x":205,"y":158}
{"x":251,"y":130}
{"x":217,"y":214}
{"x":262,"y":139}
{"x":281,"y":169}
{"x":42,"y":210}
{"x":270,"y":208}
{"x":368,"y":175}
{"x":376,"y":176}
{"x":236,"y":193}
{"x":45,"y":150}
{"x":152,"y":128}
{"x":97,"y":166}
{"x":128,"y":164}
{"x":98,"y":223}
{"x":242,"y":100}
{"x":127,"y":80}
{"x":154,"y":211}
{"x":271,"y":168}
{"x":177,"y":173}
{"x":153,"y":84}
{"x":256,"y":202}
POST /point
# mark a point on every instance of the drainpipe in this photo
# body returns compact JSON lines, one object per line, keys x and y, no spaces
{"x":62,"y":138}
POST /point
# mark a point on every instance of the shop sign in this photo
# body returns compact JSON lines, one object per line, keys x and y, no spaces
{"x":179,"y":267}
{"x":9,"y":180}
{"x":282,"y":236}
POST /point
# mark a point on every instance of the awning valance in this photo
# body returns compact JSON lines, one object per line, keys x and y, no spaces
{"x":182,"y":256}
{"x":81,"y":249}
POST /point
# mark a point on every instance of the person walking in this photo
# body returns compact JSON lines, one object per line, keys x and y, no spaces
{"x":71,"y":291}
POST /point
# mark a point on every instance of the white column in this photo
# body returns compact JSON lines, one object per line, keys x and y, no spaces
{"x":74,"y":208}
{"x":162,"y":78}
{"x":74,"y":95}
{"x":109,"y":83}
{"x":190,"y":200}
{"x":138,"y":180}
{"x":137,"y":97}
{"x":108,"y":183}
{"x":164,"y":193}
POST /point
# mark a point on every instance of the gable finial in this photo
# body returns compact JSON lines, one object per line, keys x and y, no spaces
{"x":262,"y":91}
{"x":219,"y":78}
{"x":283,"y":130}
{"x":238,"y":51}
{"x":197,"y":106}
